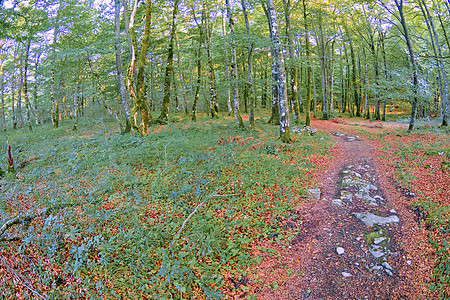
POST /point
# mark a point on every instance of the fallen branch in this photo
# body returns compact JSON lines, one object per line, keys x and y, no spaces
{"x":214,"y":194}
{"x":20,"y":219}
{"x":21,"y":281}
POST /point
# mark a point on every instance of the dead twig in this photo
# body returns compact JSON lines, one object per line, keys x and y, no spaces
{"x":21,"y":281}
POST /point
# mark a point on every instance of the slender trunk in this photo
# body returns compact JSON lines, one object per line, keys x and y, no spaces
{"x":249,"y":83}
{"x":227,"y":66}
{"x":399,"y":4}
{"x":120,"y":78}
{"x":19,"y":95}
{"x":53,"y":102}
{"x":199,"y":67}
{"x":13,"y":80}
{"x":25,"y":86}
{"x":309,"y":67}
{"x":445,"y":97}
{"x":366,"y":85}
{"x":35,"y":88}
{"x":357,"y":100}
{"x":127,"y":24}
{"x":2,"y":88}
{"x":234,"y":71}
{"x":294,"y":99}
{"x":182,"y":80}
{"x":331,"y":82}
{"x":315,"y":94}
{"x":323,"y":69}
{"x":281,"y":74}
{"x":164,"y":116}
{"x":213,"y":103}
{"x":99,"y":86}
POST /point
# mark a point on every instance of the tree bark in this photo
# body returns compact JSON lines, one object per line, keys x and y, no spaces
{"x":399,"y":4}
{"x":445,"y":97}
{"x":281,"y":74}
{"x":25,"y":85}
{"x":213,"y":103}
{"x":309,"y":67}
{"x":120,"y":78}
{"x":138,"y":96}
{"x":2,"y":88}
{"x":199,"y":66}
{"x":292,"y":62}
{"x":275,"y":116}
{"x":164,"y":116}
{"x":249,"y":83}
{"x":234,"y":71}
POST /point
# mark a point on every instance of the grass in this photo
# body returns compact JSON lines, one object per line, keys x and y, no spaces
{"x":174,"y":214}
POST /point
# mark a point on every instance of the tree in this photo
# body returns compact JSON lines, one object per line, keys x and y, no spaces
{"x":137,"y":93}
{"x":120,"y":78}
{"x":234,"y":72}
{"x":281,"y":75}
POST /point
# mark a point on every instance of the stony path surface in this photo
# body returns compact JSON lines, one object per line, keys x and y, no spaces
{"x":351,"y":240}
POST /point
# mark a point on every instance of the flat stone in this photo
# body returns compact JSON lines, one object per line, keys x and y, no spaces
{"x":369,"y":219}
{"x":315,"y":193}
{"x":340,"y":250}
{"x":389,"y":272}
{"x":409,"y":262}
{"x":345,"y":274}
{"x":386,"y":265}
{"x":377,"y":268}
{"x":337,"y":202}
{"x":378,"y":240}
{"x":392,"y":211}
{"x":346,"y":195}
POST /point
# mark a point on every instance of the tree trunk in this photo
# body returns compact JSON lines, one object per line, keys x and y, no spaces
{"x":2,"y":88}
{"x":281,"y":75}
{"x":249,"y":83}
{"x":366,"y":87}
{"x":120,"y":78}
{"x":354,"y":79}
{"x":309,"y":67}
{"x":213,"y":103}
{"x":25,"y":85}
{"x":227,"y":66}
{"x":199,"y":67}
{"x":164,"y":116}
{"x":294,"y":99}
{"x":275,"y":116}
{"x":139,"y":99}
{"x":13,"y":80}
{"x":399,"y":4}
{"x":323,"y":70}
{"x":234,"y":71}
{"x":53,"y":102}
{"x":445,"y":97}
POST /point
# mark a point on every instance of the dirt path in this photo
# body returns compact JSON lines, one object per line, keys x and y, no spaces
{"x":359,"y":241}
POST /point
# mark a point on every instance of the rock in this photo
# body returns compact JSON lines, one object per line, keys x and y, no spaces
{"x":369,"y":219}
{"x":345,"y":274}
{"x":386,"y":265}
{"x":346,"y":195}
{"x":389,"y":272}
{"x":340,"y":250}
{"x":376,"y":251}
{"x":378,"y":240}
{"x":377,"y":268}
{"x":408,"y":262}
{"x":392,"y":211}
{"x":315,"y":193}
{"x":337,"y":202}
{"x":358,"y":238}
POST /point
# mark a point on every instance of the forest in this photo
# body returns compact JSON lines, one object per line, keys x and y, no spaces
{"x":224,"y":149}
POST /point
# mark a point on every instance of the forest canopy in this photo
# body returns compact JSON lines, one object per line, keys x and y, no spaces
{"x":142,"y":61}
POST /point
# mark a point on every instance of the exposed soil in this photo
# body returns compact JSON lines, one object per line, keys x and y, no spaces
{"x":327,"y":227}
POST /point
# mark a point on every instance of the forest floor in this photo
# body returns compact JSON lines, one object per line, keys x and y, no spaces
{"x":359,"y":237}
{"x":358,"y":210}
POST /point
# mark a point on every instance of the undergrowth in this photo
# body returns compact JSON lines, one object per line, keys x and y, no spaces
{"x":169,"y":215}
{"x":421,"y":164}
